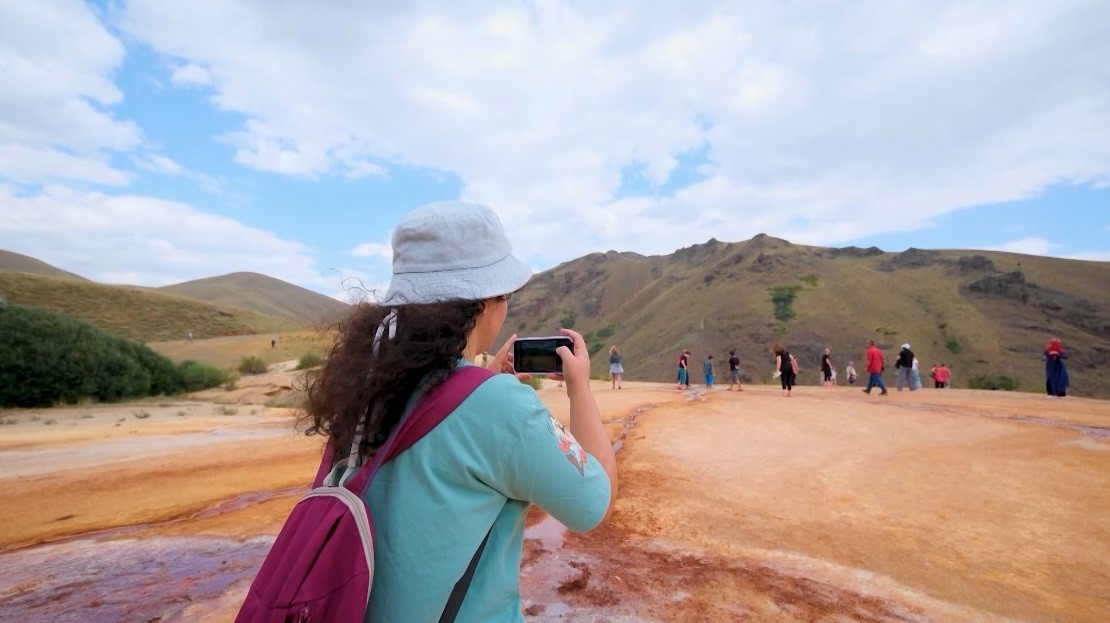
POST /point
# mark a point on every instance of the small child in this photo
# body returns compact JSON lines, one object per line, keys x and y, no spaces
{"x":709,"y":376}
{"x":832,"y":376}
{"x":851,"y":373}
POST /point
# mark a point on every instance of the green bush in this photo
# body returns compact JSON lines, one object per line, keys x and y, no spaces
{"x":47,"y":358}
{"x":196,"y":376}
{"x":309,"y":360}
{"x":567,"y":321}
{"x":1002,"y":382}
{"x":953,"y":346}
{"x":252,"y":364}
{"x":783,"y":299}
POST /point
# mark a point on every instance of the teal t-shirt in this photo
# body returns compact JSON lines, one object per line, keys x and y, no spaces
{"x":499,"y":451}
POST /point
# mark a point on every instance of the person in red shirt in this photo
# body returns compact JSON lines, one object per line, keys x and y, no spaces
{"x":875,"y":368}
{"x":943,"y":374}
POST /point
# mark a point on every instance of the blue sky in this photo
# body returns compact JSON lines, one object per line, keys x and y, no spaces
{"x":152,"y":142}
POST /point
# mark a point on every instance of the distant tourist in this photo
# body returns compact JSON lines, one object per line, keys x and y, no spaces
{"x":616,"y":367}
{"x":190,"y":336}
{"x":734,"y":371}
{"x":904,"y":366}
{"x":915,"y":375}
{"x":832,"y":378}
{"x":875,"y":366}
{"x":786,"y":367}
{"x":1055,"y":371}
{"x":273,"y":342}
{"x":827,"y":368}
{"x":707,"y":366}
{"x":850,"y":372}
{"x":684,"y":370}
{"x":941,"y":376}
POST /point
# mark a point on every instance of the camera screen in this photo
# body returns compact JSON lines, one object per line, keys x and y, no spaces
{"x":538,"y":355}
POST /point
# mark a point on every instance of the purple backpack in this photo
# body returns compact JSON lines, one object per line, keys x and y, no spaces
{"x":321,"y":566}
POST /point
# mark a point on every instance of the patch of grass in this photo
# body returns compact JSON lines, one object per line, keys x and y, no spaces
{"x":8,"y":422}
{"x":36,"y":418}
{"x":50,"y":422}
{"x":568,"y":320}
{"x":226,"y":410}
{"x":141,"y":415}
{"x":231,"y":383}
{"x":783,"y":299}
{"x":252,"y":364}
{"x":606,"y":332}
{"x":953,"y":346}
{"x":122,"y":419}
{"x":535,"y":382}
{"x":294,"y":400}
{"x":309,"y":360}
{"x":180,"y":414}
{"x":1001,"y":382}
{"x":87,"y":416}
{"x":810,"y":280}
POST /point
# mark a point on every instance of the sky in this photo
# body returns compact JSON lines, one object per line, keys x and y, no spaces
{"x":154,"y":142}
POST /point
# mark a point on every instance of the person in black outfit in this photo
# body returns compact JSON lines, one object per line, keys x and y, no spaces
{"x":904,"y":365}
{"x":826,"y":368}
{"x":787,"y":367}
{"x":734,"y":371}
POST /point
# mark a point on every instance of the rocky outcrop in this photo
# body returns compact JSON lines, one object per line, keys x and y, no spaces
{"x":973,"y":263}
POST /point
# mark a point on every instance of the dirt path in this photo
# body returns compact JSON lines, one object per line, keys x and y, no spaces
{"x":829,"y":506}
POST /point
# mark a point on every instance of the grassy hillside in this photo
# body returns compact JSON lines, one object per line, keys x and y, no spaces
{"x":983,"y":313}
{"x":133,"y":312}
{"x":23,"y":264}
{"x":259,"y":293}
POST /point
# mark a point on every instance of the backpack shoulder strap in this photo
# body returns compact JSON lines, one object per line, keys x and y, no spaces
{"x":429,"y":411}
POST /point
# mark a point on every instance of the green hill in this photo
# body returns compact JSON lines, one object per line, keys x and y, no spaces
{"x":984,"y":313}
{"x":23,"y":264}
{"x":135,"y":313}
{"x":259,"y":293}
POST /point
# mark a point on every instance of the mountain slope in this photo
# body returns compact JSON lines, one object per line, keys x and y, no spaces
{"x":15,"y":262}
{"x":259,"y":293}
{"x":984,"y":313}
{"x":135,"y":313}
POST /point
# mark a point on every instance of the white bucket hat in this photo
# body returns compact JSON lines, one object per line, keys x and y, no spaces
{"x":452,"y":250}
{"x":905,"y":346}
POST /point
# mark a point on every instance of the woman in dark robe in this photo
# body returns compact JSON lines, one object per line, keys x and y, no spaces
{"x":1055,"y":372}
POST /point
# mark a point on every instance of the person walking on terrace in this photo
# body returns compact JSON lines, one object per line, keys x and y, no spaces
{"x":904,"y":366}
{"x":616,"y":367}
{"x":1055,"y":370}
{"x":875,"y":366}
{"x":734,"y":371}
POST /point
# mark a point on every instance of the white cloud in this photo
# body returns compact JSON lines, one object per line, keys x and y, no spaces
{"x":191,"y":74}
{"x":158,"y":164}
{"x":144,"y":240}
{"x":373,"y":249}
{"x":825,"y":123}
{"x":1028,"y":246}
{"x":56,"y":61}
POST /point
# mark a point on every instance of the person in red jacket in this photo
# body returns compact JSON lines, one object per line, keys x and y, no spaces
{"x":874,"y":368}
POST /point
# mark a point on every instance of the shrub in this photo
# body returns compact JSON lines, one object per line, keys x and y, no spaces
{"x":567,"y":321}
{"x":196,"y":376}
{"x":309,"y":360}
{"x":141,"y":415}
{"x":953,"y":346}
{"x":226,"y":410}
{"x":1002,"y":382}
{"x":47,"y":358}
{"x":252,"y":364}
{"x":783,"y":299}
{"x":810,"y":280}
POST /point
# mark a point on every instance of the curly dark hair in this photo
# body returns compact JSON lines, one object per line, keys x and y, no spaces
{"x":354,"y":384}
